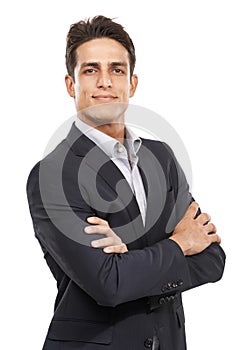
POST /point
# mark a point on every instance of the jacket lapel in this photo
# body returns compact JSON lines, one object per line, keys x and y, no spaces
{"x":101,"y":164}
{"x":154,"y":181}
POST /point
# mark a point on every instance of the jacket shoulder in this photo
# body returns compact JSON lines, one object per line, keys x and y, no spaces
{"x":160,"y":149}
{"x":49,"y":162}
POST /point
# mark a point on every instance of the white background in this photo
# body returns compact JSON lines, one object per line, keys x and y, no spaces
{"x":185,"y":67}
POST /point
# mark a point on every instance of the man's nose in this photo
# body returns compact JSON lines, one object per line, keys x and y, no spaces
{"x":104,"y":81}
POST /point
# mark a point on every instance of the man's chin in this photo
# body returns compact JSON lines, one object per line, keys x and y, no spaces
{"x":104,"y":113}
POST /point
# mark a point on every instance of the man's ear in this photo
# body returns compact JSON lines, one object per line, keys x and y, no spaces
{"x":70,"y":85}
{"x":133,"y":85}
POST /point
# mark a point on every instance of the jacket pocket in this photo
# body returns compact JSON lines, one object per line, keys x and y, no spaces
{"x":80,"y":330}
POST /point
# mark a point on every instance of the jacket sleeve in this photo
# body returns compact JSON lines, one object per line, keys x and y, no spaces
{"x":207,"y":266}
{"x":110,"y":279}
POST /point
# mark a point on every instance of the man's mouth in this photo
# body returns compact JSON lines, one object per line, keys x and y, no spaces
{"x":104,"y":98}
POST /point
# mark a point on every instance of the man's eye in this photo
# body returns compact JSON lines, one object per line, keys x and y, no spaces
{"x":118,"y":71}
{"x":89,"y":71}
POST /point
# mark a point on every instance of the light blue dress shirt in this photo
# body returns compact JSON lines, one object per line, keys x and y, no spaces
{"x":124,"y":156}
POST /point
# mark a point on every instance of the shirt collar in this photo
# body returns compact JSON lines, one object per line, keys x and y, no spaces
{"x":133,"y":141}
{"x":108,"y":144}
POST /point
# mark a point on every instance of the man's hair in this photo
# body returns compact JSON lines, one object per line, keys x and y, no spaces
{"x":94,"y":28}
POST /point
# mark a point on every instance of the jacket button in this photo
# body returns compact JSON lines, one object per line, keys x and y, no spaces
{"x":180,"y":283}
{"x":168,"y":299}
{"x":162,"y":301}
{"x":169,"y":285}
{"x":148,"y":343}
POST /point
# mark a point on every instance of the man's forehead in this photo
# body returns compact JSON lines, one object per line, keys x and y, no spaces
{"x":102,"y":50}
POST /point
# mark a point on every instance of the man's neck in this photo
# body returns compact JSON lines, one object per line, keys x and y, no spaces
{"x":114,"y":130}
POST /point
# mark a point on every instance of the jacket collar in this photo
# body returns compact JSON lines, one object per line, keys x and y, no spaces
{"x":78,"y":142}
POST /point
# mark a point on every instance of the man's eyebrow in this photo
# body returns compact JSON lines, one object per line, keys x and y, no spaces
{"x":89,"y":64}
{"x":121,"y":64}
{"x":97,"y":64}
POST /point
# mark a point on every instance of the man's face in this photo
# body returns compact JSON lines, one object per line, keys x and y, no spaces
{"x":102,"y":80}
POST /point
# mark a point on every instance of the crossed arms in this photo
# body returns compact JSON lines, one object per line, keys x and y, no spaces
{"x":192,"y":234}
{"x":190,"y":255}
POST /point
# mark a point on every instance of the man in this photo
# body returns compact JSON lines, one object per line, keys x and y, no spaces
{"x":113,"y":214}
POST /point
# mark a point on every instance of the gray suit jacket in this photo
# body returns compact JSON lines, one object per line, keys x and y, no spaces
{"x":115,"y":301}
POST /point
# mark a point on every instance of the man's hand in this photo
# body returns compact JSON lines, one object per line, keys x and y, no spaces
{"x":111,"y":243}
{"x":194,"y":234}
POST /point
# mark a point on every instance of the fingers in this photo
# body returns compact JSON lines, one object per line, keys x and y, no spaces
{"x":103,"y":242}
{"x":192,"y":210}
{"x":121,"y":248}
{"x":99,"y":225}
{"x":203,"y":218}
{"x":97,"y":221}
{"x":103,"y":230}
{"x":214,"y":238}
{"x":211,"y":228}
{"x":112,"y":243}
